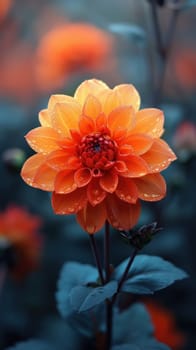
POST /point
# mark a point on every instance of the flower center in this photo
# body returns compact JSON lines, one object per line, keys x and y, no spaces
{"x":97,"y":151}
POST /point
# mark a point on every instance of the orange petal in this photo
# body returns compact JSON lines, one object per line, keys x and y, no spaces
{"x":127,"y":190}
{"x":101,"y":121}
{"x":136,"y":166}
{"x":44,"y":118}
{"x":82,"y":177}
{"x":92,"y":107}
{"x":159,"y":156}
{"x":86,"y":125}
{"x":65,"y":117}
{"x":140,"y":143}
{"x":120,"y":166}
{"x":31,"y":167}
{"x":89,"y":87}
{"x":122,"y":215}
{"x":92,"y":218}
{"x":62,"y":160}
{"x":64,"y":182}
{"x":43,"y":139}
{"x":128,"y":95}
{"x":121,"y":118}
{"x":149,"y":121}
{"x":44,"y":178}
{"x":151,"y":187}
{"x":109,"y":100}
{"x":109,"y":181}
{"x":95,"y":193}
{"x":54,"y":99}
{"x":69,"y":203}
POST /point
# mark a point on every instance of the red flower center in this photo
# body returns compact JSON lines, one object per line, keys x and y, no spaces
{"x":97,"y":151}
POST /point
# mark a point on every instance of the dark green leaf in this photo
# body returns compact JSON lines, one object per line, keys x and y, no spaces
{"x":149,"y":274}
{"x":99,"y":295}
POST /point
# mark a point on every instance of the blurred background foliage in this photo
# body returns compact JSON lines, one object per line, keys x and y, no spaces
{"x":49,"y":47}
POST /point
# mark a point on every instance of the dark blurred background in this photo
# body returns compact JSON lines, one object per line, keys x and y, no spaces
{"x":49,"y":47}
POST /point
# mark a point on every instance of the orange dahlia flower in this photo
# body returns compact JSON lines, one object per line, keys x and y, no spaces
{"x":20,"y":229}
{"x":99,"y":155}
{"x":165,"y":327}
{"x":69,"y":48}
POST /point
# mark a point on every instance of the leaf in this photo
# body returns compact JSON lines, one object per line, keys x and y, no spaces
{"x":129,"y":325}
{"x":76,"y":275}
{"x":126,"y":331}
{"x":145,"y":345}
{"x":73,"y":274}
{"x":131,"y":31}
{"x":99,"y":295}
{"x":125,"y":347}
{"x":32,"y":345}
{"x":149,"y":274}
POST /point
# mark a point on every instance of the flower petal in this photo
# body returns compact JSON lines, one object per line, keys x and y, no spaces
{"x":45,"y":118}
{"x":95,"y":193}
{"x":89,"y":87}
{"x":31,"y":166}
{"x":109,"y":181}
{"x":140,"y":143}
{"x":44,"y":178}
{"x":92,"y":107}
{"x":109,"y":100}
{"x":159,"y":156}
{"x":149,"y":121}
{"x":122,"y":215}
{"x":151,"y":187}
{"x":43,"y":139}
{"x":62,"y":160}
{"x":54,"y":99}
{"x":64,"y":182}
{"x":127,"y":190}
{"x":128,"y":95}
{"x":69,"y":203}
{"x":82,"y":177}
{"x":86,"y":125}
{"x":121,"y":118}
{"x":136,"y":166}
{"x":65,"y":117}
{"x":92,"y":218}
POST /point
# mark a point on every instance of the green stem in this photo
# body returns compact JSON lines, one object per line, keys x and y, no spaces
{"x":125,"y":274}
{"x":163,"y":50}
{"x":97,"y":258}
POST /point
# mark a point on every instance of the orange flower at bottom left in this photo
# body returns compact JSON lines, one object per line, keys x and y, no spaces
{"x":20,"y":230}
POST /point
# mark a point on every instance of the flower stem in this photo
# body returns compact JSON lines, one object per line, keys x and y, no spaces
{"x":124,"y":276}
{"x":97,"y":258}
{"x":163,"y":49}
{"x":107,"y":250}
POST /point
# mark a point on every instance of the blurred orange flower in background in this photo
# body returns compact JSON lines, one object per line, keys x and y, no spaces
{"x":5,"y":6}
{"x":184,"y":140}
{"x":20,"y":229}
{"x":165,"y":327}
{"x":99,"y":155}
{"x":185,"y":68}
{"x":69,"y":48}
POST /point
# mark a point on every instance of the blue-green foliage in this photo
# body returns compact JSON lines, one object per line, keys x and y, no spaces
{"x":34,"y":344}
{"x":148,"y":274}
{"x":133,"y":330}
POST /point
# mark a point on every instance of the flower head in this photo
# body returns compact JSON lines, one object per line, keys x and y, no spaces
{"x":20,"y":230}
{"x":69,"y":48}
{"x":99,"y":155}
